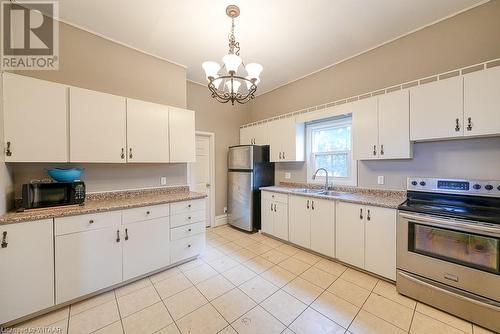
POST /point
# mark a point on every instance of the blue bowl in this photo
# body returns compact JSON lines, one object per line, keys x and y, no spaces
{"x":65,"y":174}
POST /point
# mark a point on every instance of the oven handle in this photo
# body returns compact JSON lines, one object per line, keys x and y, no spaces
{"x":482,"y":302}
{"x":452,"y":223}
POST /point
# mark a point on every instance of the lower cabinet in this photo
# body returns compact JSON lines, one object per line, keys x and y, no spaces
{"x":366,"y":238}
{"x":27,"y":268}
{"x":274,"y":216}
{"x":312,"y":223}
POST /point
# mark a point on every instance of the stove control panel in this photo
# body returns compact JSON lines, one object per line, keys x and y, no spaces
{"x":454,"y":186}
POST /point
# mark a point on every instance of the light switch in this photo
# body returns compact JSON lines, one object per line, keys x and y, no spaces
{"x":163,"y":181}
{"x":381,"y":179}
{"x":288,"y":176}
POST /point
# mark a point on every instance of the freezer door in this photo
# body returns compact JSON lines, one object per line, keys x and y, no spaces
{"x":240,"y":200}
{"x":240,"y":157}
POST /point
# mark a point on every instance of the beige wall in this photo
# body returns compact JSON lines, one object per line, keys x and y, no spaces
{"x":223,"y":120}
{"x":466,"y":39}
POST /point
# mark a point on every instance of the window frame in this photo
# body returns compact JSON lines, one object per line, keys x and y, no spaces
{"x":337,"y":122}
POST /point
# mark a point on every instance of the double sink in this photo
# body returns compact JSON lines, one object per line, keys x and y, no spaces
{"x":318,"y":192}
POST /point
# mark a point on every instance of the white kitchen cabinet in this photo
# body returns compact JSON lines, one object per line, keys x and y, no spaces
{"x":482,"y":102}
{"x":145,"y":247}
{"x":350,"y":234}
{"x":255,"y":135}
{"x":323,"y":226}
{"x":98,"y":124}
{"x":436,"y":110}
{"x":394,"y":125}
{"x":35,"y":120}
{"x":27,"y":269}
{"x":365,"y":129}
{"x":286,"y":140}
{"x":87,"y":262}
{"x":147,"y":132}
{"x":380,"y":241}
{"x":182,"y":138}
{"x":274,"y":214}
{"x":300,"y":220}
{"x":376,"y":133}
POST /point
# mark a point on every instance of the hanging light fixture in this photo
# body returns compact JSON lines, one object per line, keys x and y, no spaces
{"x":224,"y":82}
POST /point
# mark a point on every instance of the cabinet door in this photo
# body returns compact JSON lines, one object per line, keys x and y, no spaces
{"x":350,"y":234}
{"x":35,"y":119}
{"x":246,"y":136}
{"x":267,"y":216}
{"x":146,"y":247}
{"x":365,"y":129}
{"x":292,"y":140}
{"x":275,"y":140}
{"x":27,"y":269}
{"x":98,"y":127}
{"x":87,"y":262}
{"x":147,"y":132}
{"x":323,"y":226}
{"x":482,"y":102}
{"x":394,"y":125}
{"x":300,"y":221}
{"x":380,"y":241}
{"x":281,"y":220}
{"x":182,"y":135}
{"x":436,"y":108}
{"x":261,"y":134}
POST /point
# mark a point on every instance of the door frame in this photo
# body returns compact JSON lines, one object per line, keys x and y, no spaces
{"x":211,"y":137}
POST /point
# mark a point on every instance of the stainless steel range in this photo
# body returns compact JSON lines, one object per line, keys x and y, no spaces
{"x":448,"y":247}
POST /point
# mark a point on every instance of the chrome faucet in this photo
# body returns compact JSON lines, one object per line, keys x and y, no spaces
{"x":326,"y":183}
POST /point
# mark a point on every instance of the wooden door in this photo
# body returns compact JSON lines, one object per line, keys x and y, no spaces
{"x":350,"y":233}
{"x":323,"y":226}
{"x":27,"y":269}
{"x":182,"y":135}
{"x":35,"y":120}
{"x":365,"y":129}
{"x":98,"y":127}
{"x":300,"y":220}
{"x":147,"y":132}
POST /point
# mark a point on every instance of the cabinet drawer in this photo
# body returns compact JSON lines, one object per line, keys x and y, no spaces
{"x":187,"y":218}
{"x":188,"y":247}
{"x":272,"y":196}
{"x":88,"y":222}
{"x":187,"y":231}
{"x":145,"y":213}
{"x":187,"y":206}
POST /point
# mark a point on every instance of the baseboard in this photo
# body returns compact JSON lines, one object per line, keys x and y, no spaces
{"x":220,"y":220}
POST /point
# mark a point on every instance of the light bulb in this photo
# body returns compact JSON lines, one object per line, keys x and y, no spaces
{"x":232,"y":62}
{"x":211,"y":69}
{"x":254,"y":70}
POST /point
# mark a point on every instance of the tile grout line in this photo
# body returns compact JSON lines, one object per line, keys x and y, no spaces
{"x":168,"y":311}
{"x":119,"y":313}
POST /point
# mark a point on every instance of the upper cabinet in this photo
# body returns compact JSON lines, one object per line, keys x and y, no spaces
{"x":255,"y":135}
{"x":482,"y":102}
{"x":286,"y":140}
{"x":436,"y":110}
{"x":97,"y":125}
{"x":35,"y":120}
{"x":182,"y":135}
{"x":147,"y":132}
{"x":376,"y":134}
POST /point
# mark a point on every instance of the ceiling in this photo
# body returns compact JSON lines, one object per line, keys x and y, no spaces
{"x":290,"y":38}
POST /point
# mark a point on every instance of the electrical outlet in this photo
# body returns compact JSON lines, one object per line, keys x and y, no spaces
{"x":288,"y":176}
{"x":225,"y":209}
{"x":381,"y":179}
{"x":163,"y":181}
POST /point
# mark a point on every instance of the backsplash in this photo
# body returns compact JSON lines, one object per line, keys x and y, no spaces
{"x":106,"y":177}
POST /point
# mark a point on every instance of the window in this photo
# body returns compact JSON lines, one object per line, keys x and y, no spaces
{"x":329,"y":146}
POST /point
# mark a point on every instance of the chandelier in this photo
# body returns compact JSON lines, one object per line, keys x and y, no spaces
{"x":224,"y":83}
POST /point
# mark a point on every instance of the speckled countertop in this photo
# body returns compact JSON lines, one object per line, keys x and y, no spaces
{"x":366,"y":196}
{"x":108,"y":201}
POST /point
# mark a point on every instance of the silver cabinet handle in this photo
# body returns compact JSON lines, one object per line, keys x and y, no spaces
{"x":457,"y":125}
{"x":126,"y":234}
{"x":4,"y":239}
{"x":123,"y":153}
{"x":8,"y":151}
{"x":130,"y":153}
{"x":361,"y":213}
{"x":117,"y":235}
{"x":374,"y":149}
{"x":469,"y":125}
{"x":368,"y":215}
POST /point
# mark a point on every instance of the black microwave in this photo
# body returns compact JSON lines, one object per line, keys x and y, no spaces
{"x":48,"y":194}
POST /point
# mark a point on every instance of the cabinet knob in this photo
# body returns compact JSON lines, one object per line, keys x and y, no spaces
{"x":189,"y":246}
{"x":189,"y":205}
{"x":123,"y":153}
{"x":457,"y":125}
{"x":189,"y":230}
{"x":189,"y":218}
{"x":469,"y":124}
{"x":91,"y":221}
{"x":4,"y":239}
{"x":8,"y":151}
{"x":130,"y":154}
{"x":148,"y":212}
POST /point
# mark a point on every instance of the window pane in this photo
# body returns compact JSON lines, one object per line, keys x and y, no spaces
{"x":332,"y":139}
{"x":337,"y":164}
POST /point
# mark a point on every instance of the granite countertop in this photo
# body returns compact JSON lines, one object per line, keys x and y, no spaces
{"x":108,"y":201}
{"x":382,"y":198}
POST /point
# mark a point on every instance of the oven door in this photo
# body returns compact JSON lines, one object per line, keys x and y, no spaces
{"x":458,"y":253}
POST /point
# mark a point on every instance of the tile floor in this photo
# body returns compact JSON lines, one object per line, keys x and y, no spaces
{"x":249,"y":283}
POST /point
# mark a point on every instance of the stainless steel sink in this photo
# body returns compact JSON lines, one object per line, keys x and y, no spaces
{"x":319,"y":192}
{"x":332,"y":193}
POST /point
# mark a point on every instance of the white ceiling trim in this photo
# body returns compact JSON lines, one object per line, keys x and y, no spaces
{"x":376,"y":46}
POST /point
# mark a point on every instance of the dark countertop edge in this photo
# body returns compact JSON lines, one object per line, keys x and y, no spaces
{"x":364,"y":198}
{"x":14,"y":217}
